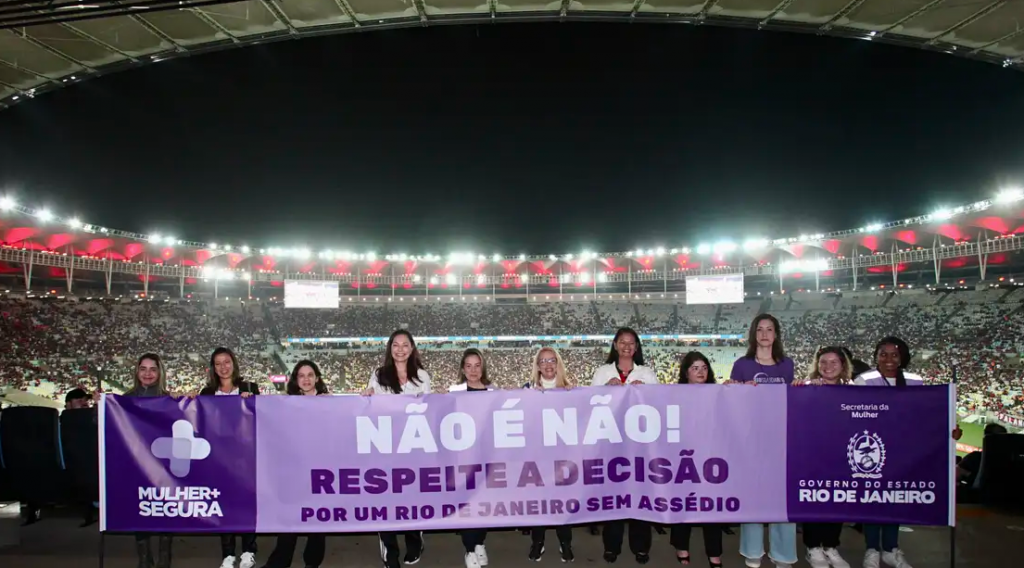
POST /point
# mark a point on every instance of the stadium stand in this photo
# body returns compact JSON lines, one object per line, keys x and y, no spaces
{"x":52,"y":346}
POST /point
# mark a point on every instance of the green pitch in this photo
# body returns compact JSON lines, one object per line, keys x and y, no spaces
{"x":973,"y":434}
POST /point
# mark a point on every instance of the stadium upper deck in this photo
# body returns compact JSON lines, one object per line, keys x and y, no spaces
{"x":981,"y":239}
{"x":46,"y":45}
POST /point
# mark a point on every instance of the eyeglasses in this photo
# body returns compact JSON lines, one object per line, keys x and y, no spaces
{"x":548,"y":360}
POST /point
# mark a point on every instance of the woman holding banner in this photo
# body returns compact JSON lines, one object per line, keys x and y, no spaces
{"x":305,"y":380}
{"x":695,"y":369}
{"x":151,"y":381}
{"x":226,"y":380}
{"x":625,"y":366}
{"x":765,"y":363}
{"x":832,"y":366}
{"x":892,"y":355}
{"x":401,"y":373}
{"x":473,"y":378}
{"x":549,"y":373}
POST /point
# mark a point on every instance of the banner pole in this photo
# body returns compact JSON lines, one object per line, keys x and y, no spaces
{"x":952,"y":529}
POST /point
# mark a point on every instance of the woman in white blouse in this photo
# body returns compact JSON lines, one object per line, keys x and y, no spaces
{"x":401,"y":373}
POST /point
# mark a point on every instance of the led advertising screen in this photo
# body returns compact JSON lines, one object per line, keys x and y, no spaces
{"x":717,"y":289}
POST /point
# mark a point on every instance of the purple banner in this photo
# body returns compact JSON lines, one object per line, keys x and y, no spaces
{"x":703,"y":453}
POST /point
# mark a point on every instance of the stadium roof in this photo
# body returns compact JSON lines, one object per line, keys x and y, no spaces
{"x":46,"y":44}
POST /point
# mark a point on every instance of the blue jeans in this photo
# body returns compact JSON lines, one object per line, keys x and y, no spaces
{"x":781,"y":539}
{"x":883,"y":538}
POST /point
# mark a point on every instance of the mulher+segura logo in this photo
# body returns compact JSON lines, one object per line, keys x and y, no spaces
{"x":180,"y":449}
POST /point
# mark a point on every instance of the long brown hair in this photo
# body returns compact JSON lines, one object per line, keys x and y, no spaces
{"x":778,"y":353}
{"x":387,"y":374}
{"x":236,"y":374}
{"x":161,"y":372}
{"x":483,"y":366}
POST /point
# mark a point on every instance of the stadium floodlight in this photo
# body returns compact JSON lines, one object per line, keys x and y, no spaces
{"x":703,"y":248}
{"x":371,"y":256}
{"x":686,"y":250}
{"x":496,"y":257}
{"x":942,"y":214}
{"x":74,"y":223}
{"x":754,"y":244}
{"x":7,"y":203}
{"x":553,"y":257}
{"x":650,"y":252}
{"x":659,"y":251}
{"x":213,"y":246}
{"x":44,"y":214}
{"x":227,"y":248}
{"x":1010,"y":195}
{"x":170,"y":240}
{"x":155,"y":238}
{"x":725,"y":247}
{"x":522,"y":257}
{"x":246,"y":249}
{"x":568,"y":256}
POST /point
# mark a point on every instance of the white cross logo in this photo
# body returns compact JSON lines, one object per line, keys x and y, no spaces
{"x":181,"y":448}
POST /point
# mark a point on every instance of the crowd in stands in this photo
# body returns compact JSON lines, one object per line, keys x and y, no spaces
{"x":49,"y":347}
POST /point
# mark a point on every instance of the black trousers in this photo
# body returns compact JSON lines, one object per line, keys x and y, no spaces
{"x":822,"y":535}
{"x":471,"y":538}
{"x":227,"y":544}
{"x":563,"y":532}
{"x":389,"y":544}
{"x":313,"y":555}
{"x":680,"y":538}
{"x":639,"y":536}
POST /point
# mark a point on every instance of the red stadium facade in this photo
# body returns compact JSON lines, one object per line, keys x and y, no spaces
{"x":977,"y":243}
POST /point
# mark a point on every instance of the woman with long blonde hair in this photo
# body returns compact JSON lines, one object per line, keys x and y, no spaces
{"x":548,"y":370}
{"x":549,"y":373}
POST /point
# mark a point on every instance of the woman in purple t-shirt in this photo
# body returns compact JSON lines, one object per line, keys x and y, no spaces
{"x":765,"y":364}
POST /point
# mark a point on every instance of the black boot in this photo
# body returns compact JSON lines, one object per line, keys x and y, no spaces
{"x":144,"y":552}
{"x":163,"y":552}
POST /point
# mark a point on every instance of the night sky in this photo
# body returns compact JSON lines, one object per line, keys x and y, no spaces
{"x":521,"y":138}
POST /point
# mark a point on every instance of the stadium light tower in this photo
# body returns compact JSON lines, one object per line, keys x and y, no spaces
{"x":44,"y":214}
{"x":1010,"y":195}
{"x":7,"y":203}
{"x":74,"y":223}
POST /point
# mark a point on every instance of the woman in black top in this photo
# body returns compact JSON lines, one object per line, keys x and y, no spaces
{"x":226,"y":380}
{"x":305,"y":380}
{"x":696,"y":369}
{"x":473,"y":378}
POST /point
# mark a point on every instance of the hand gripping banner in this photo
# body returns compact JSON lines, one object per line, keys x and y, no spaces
{"x":665,"y":453}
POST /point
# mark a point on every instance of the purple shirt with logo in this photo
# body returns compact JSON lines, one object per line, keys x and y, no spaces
{"x":745,"y":370}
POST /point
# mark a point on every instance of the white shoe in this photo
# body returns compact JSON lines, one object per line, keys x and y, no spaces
{"x":871,"y":559}
{"x":753,"y":562}
{"x":835,"y":559}
{"x":816,"y":558}
{"x":481,"y":554}
{"x":895,"y":559}
{"x":248,"y":560}
{"x":472,"y":561}
{"x":229,"y":562}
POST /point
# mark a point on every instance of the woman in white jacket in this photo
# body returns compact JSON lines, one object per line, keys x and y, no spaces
{"x":625,"y":366}
{"x":625,"y":363}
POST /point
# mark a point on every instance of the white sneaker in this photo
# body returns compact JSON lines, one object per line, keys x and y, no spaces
{"x":835,"y":559}
{"x":248,"y":560}
{"x":472,"y":561}
{"x":752,"y":562}
{"x":871,"y":558}
{"x":229,"y":562}
{"x":816,"y":558}
{"x":481,"y":554}
{"x":895,"y":559}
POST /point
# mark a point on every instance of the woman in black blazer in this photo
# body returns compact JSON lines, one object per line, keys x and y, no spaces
{"x":305,"y":380}
{"x":226,"y":380}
